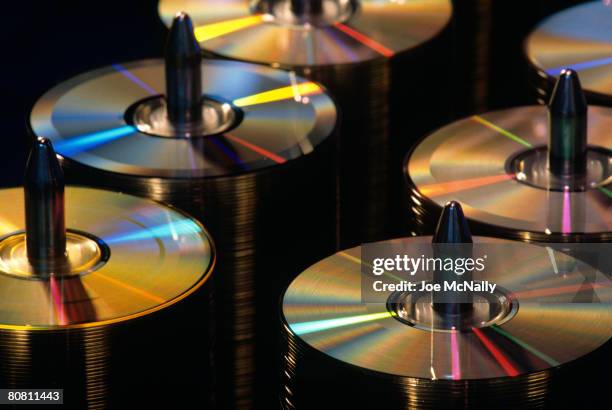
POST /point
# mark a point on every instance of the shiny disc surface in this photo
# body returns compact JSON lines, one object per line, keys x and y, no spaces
{"x":578,"y":38}
{"x":377,"y":29}
{"x":467,"y":161}
{"x":157,"y":257}
{"x":284,"y":117}
{"x":323,"y":308}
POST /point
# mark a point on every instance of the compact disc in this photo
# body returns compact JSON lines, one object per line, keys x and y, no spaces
{"x":137,"y":258}
{"x":579,"y":38}
{"x":379,"y":60}
{"x":470,"y":161}
{"x":278,"y":117}
{"x":343,"y":32}
{"x":323,"y":308}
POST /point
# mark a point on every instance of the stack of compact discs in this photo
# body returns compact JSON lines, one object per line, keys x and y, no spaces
{"x":241,"y":147}
{"x":527,"y":173}
{"x":103,"y":318}
{"x":523,"y":352}
{"x":579,"y":38}
{"x":384,"y":62}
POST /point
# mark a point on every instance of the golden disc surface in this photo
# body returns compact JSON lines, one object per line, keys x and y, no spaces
{"x":155,"y":257}
{"x":371,"y":29}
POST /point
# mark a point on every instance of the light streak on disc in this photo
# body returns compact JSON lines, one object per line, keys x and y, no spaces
{"x":503,"y":361}
{"x":131,"y":289}
{"x":527,"y":347}
{"x":502,"y":131}
{"x":209,"y":31}
{"x":567,"y":213}
{"x":455,"y":360}
{"x":133,"y":78}
{"x":79,"y":143}
{"x":553,"y":261}
{"x":292,"y":91}
{"x":462,"y":185}
{"x":321,"y":325}
{"x":373,"y":44}
{"x":276,"y":158}
{"x":584,"y":65}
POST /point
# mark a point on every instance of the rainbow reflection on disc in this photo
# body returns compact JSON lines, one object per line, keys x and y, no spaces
{"x":354,"y":32}
{"x":579,"y":38}
{"x":468,"y":161}
{"x":156,"y":256}
{"x":323,"y":308}
{"x":283,"y":117}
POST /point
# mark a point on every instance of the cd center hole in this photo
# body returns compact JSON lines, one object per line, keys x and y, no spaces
{"x":531,"y":168}
{"x":317,"y":13}
{"x":416,"y":309}
{"x":150,"y":117}
{"x":85,"y":253}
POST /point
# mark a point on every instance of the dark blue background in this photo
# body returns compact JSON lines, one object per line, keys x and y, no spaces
{"x":47,"y":42}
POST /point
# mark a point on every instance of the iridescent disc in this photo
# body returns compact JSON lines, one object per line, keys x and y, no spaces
{"x":156,"y":257}
{"x":283,"y":117}
{"x":578,"y":38}
{"x":467,"y":161}
{"x":375,"y":29}
{"x":323,"y":308}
